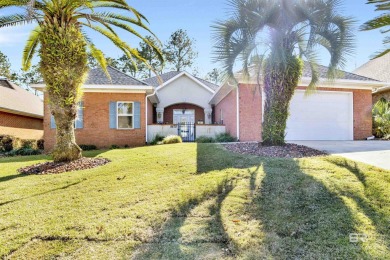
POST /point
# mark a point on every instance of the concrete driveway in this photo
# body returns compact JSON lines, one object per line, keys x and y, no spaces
{"x":375,"y":153}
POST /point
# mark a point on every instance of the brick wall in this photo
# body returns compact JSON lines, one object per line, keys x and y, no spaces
{"x":228,"y":107}
{"x":21,"y":126}
{"x":250,"y":113}
{"x":96,"y":129}
{"x":168,"y":112}
{"x":362,"y":114}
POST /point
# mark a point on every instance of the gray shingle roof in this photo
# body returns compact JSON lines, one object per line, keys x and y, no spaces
{"x":378,"y":68}
{"x":17,"y":99}
{"x":342,"y":75}
{"x":98,"y":77}
{"x":153,"y":81}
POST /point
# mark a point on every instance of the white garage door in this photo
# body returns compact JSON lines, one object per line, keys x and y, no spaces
{"x":324,"y":115}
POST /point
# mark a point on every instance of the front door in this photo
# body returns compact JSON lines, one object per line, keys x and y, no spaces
{"x":185,"y":120}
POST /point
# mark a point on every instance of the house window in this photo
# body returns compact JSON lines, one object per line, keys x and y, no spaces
{"x":125,"y":115}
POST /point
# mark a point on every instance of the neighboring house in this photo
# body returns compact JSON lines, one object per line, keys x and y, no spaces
{"x":126,"y":111}
{"x":340,"y":110}
{"x":378,"y":69}
{"x":21,"y":112}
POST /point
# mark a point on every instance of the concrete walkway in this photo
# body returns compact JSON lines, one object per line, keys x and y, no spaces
{"x":375,"y":153}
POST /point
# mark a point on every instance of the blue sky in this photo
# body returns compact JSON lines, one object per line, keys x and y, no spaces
{"x":196,"y":16}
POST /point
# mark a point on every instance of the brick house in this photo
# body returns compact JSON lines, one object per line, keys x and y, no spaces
{"x":125,"y":111}
{"x":21,"y":112}
{"x":378,"y":69}
{"x":340,"y":110}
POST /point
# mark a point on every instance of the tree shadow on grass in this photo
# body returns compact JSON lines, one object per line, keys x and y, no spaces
{"x":11,"y":177}
{"x":194,"y":231}
{"x":301,"y":218}
{"x":377,"y":216}
{"x":41,"y":193}
{"x":208,"y":158}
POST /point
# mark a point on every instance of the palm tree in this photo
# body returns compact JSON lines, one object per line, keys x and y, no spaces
{"x":271,"y":38}
{"x":380,"y":22}
{"x":61,"y":40}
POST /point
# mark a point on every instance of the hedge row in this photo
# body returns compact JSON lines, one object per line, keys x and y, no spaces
{"x":9,"y":143}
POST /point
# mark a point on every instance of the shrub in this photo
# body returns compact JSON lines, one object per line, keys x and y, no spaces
{"x":114,"y":146}
{"x":9,"y":143}
{"x":88,"y":147}
{"x":172,"y":139}
{"x":41,"y":144}
{"x":205,"y":139}
{"x":23,"y":152}
{"x":224,"y":138}
{"x":29,"y":144}
{"x":157,"y":139}
{"x":381,"y":119}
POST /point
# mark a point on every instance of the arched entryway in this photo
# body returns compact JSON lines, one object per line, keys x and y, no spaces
{"x":184,"y":112}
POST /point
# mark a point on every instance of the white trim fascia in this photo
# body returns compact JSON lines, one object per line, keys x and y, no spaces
{"x":21,"y":113}
{"x":343,"y":83}
{"x":381,"y":89}
{"x":212,"y":99}
{"x":154,"y":96}
{"x":338,"y":83}
{"x":216,"y":92}
{"x":188,"y":75}
{"x":106,"y":88}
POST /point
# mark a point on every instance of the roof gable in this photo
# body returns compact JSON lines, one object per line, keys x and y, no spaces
{"x":165,"y":77}
{"x":18,"y":100}
{"x":378,"y":68}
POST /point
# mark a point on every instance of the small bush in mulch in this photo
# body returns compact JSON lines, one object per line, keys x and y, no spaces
{"x":23,"y":152}
{"x":54,"y":168}
{"x":172,"y":139}
{"x":225,"y":138}
{"x":88,"y":147}
{"x":205,"y":139}
{"x":286,"y":151}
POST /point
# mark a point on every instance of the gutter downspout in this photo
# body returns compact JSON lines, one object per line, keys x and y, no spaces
{"x":146,"y":114}
{"x":238,"y":112}
{"x":238,"y":108}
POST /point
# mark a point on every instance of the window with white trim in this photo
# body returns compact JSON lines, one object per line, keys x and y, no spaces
{"x":125,"y":116}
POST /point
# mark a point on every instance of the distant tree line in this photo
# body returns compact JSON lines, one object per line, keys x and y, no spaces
{"x":179,"y":53}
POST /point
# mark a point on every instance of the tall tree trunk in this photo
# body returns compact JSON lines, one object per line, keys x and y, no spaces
{"x":63,"y":67}
{"x":280,"y":82}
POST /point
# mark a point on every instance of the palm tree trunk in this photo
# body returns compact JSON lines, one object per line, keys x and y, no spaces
{"x":63,"y":81}
{"x":66,"y":148}
{"x":280,"y":82}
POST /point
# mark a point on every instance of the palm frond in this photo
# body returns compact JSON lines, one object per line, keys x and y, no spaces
{"x":30,"y":48}
{"x":99,"y":57}
{"x":376,"y":23}
{"x":14,"y":20}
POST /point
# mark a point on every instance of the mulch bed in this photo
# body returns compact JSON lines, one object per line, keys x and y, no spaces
{"x":54,"y":168}
{"x":286,"y":151}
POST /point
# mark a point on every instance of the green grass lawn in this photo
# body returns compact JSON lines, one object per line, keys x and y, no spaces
{"x":187,"y":201}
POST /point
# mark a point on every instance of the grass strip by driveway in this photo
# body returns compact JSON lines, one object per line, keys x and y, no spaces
{"x":195,"y":200}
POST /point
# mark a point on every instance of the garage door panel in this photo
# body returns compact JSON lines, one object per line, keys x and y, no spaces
{"x":324,"y":115}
